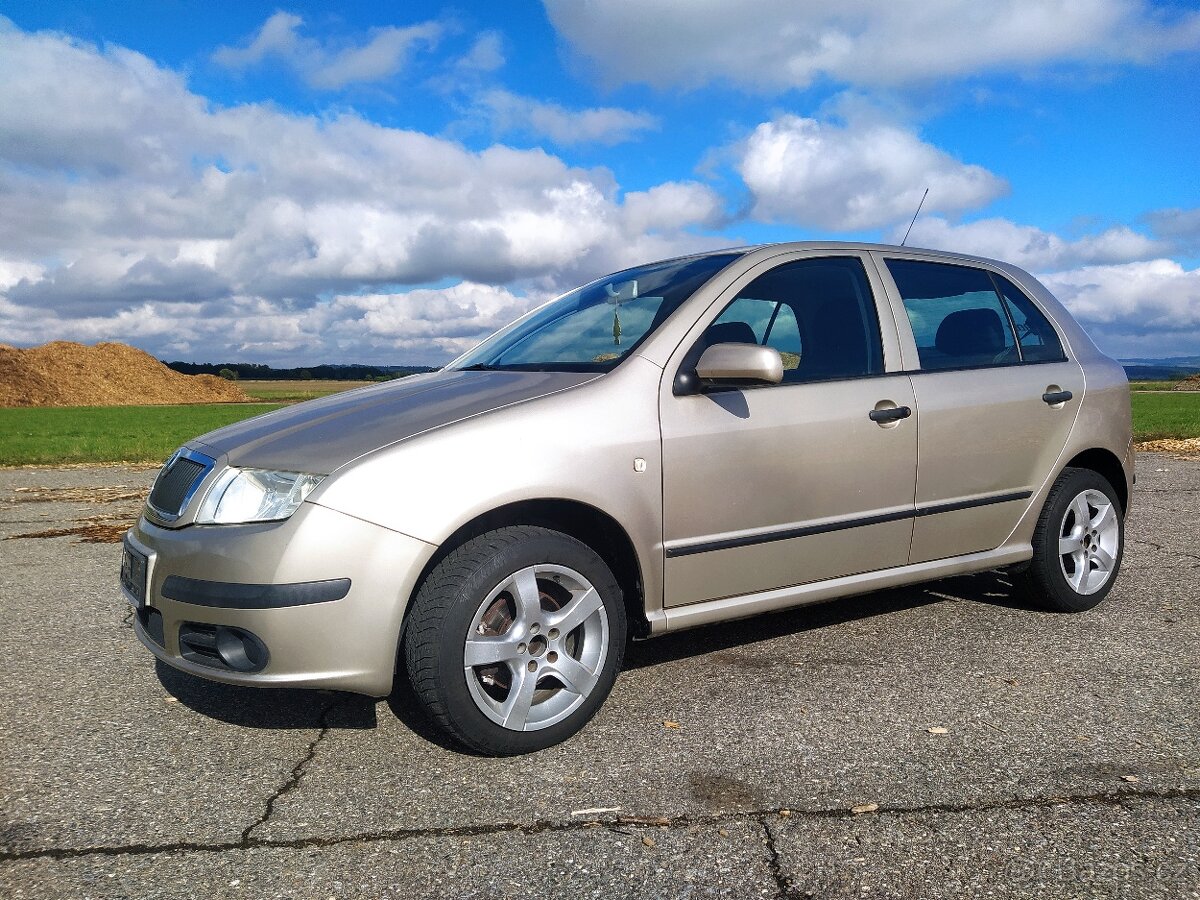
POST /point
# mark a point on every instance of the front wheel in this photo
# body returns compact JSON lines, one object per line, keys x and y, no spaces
{"x":1078,"y":543}
{"x":515,"y":639}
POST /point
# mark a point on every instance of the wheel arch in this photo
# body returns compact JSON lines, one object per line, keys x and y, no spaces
{"x":587,"y":524}
{"x":1106,"y":463}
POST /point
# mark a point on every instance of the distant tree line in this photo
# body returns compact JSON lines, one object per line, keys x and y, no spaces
{"x":237,"y":371}
{"x":1159,"y":373}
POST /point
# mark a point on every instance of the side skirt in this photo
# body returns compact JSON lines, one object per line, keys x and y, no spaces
{"x":743,"y":606}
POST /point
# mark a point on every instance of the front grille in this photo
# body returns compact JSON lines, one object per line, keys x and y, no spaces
{"x":174,"y":485}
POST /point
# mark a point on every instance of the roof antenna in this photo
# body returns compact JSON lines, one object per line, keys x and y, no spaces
{"x":914,"y":218}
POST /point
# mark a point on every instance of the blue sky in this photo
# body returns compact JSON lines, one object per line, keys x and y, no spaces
{"x":388,"y":182}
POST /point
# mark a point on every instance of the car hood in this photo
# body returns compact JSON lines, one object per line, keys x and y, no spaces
{"x":322,"y":435}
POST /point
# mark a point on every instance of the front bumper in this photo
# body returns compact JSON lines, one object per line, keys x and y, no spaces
{"x":250,"y":577}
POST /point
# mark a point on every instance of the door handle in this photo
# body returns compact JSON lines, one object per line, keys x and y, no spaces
{"x":894,"y":414}
{"x":1053,"y":398}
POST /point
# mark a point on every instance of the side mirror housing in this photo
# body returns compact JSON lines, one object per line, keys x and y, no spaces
{"x":734,"y":364}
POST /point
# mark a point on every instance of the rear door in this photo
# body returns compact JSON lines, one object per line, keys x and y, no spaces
{"x":781,"y":485}
{"x":991,"y":383}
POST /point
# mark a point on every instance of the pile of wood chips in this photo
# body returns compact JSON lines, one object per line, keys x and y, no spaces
{"x":62,"y":373}
{"x":1184,"y":447}
{"x":1191,"y":383}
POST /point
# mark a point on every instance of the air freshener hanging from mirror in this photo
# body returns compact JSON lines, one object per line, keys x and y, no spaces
{"x":616,"y":296}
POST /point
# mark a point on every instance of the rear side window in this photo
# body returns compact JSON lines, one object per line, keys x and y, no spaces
{"x":818,"y":313}
{"x":1036,"y":336}
{"x":956,"y":315}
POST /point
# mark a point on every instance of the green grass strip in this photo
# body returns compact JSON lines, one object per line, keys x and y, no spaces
{"x":296,"y":391}
{"x":1152,"y":385}
{"x":84,"y":434}
{"x":88,"y":434}
{"x":1159,"y":416}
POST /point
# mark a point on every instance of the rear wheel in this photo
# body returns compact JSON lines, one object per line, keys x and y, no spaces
{"x":515,"y":639}
{"x":1078,"y":543}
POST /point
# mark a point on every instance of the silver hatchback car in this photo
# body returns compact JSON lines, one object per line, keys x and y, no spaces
{"x":678,"y":444}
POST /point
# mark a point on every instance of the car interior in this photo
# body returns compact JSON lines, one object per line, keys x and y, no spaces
{"x":818,"y":313}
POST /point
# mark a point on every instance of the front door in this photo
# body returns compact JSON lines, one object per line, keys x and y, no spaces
{"x":775,"y":486}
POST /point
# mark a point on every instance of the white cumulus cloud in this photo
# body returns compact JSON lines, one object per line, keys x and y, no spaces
{"x":855,"y":176}
{"x":606,"y":125}
{"x":131,"y":199}
{"x":485,"y":55}
{"x":324,"y":65}
{"x":1181,"y":226}
{"x":780,"y":44}
{"x":1147,"y":308}
{"x":1028,"y":246}
{"x":672,"y":206}
{"x":447,"y":321}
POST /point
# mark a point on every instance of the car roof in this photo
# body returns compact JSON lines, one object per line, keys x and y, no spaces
{"x":787,"y":246}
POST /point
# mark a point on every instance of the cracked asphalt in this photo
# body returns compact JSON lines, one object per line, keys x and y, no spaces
{"x":1070,"y":766}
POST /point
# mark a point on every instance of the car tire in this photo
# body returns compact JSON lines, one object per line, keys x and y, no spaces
{"x":1078,"y":543}
{"x":514,"y":640}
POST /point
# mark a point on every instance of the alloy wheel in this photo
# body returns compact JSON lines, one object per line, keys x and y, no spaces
{"x":1089,"y":541}
{"x":536,"y":647}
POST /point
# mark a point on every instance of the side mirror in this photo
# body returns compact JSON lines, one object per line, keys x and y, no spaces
{"x":740,"y":364}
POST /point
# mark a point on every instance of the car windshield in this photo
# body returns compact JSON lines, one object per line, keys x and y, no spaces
{"x":593,"y":327}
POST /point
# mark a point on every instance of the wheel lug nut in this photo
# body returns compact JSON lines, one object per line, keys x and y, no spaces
{"x":552,"y":657}
{"x":553,"y":634}
{"x":521,"y":648}
{"x":532,"y":667}
{"x":534,"y":628}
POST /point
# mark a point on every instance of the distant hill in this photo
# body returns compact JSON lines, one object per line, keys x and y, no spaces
{"x":1167,"y":368}
{"x":1159,"y":373}
{"x":324,"y":372}
{"x":1179,"y":362}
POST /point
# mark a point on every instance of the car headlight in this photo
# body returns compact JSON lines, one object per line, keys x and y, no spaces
{"x":254,"y":495}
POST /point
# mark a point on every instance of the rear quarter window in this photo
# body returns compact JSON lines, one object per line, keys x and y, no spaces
{"x":1037,"y":338}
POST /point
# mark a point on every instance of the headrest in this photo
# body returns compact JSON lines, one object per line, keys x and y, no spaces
{"x":729,"y":333}
{"x":971,"y":332}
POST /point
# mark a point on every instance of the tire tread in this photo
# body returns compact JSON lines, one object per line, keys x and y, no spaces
{"x":438,"y":595}
{"x":1043,"y":580}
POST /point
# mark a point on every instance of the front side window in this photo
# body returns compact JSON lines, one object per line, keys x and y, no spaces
{"x":769,"y":322}
{"x":818,"y":313}
{"x":956,"y":315}
{"x":594,"y":327}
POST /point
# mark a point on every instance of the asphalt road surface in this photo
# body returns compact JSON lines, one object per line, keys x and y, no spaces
{"x":1069,"y":766}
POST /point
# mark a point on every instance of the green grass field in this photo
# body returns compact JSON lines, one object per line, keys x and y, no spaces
{"x":30,"y":436}
{"x":295,"y":391}
{"x":79,"y":434}
{"x":1152,"y":385}
{"x":1171,"y":415}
